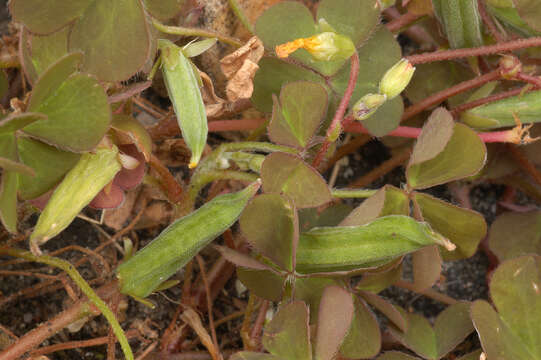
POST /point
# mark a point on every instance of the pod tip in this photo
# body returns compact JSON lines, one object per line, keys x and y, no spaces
{"x":192,"y":164}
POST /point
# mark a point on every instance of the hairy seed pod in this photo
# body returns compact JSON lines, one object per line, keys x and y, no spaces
{"x":183,"y":88}
{"x":461,"y":22}
{"x":180,"y":242}
{"x":343,"y":248}
{"x":81,"y":184}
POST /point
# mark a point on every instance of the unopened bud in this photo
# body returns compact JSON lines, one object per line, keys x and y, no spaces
{"x":326,"y":46}
{"x":335,"y":133}
{"x":367,"y":105}
{"x":510,"y":66}
{"x":396,"y":79}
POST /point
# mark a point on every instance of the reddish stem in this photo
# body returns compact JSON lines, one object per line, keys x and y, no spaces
{"x":504,"y":136}
{"x":447,"y":93}
{"x":472,"y":104}
{"x":402,"y":21}
{"x":342,"y":107}
{"x":171,"y":186}
{"x":534,"y":80}
{"x":478,"y":51}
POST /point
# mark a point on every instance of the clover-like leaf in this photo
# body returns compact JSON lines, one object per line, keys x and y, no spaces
{"x":530,"y":12}
{"x":451,"y":327}
{"x":309,"y":290}
{"x":44,"y":17}
{"x":40,"y":52}
{"x":363,"y":339}
{"x":288,"y":175}
{"x":387,"y":201}
{"x":270,"y":224}
{"x":513,"y":331}
{"x":336,"y":311}
{"x":78,"y":114}
{"x":399,"y":319}
{"x":356,"y":19}
{"x":379,"y":280}
{"x":515,"y":234}
{"x":298,"y":114}
{"x":114,"y":37}
{"x":250,"y":355}
{"x":8,"y":200}
{"x":130,"y":131}
{"x":288,"y":335}
{"x":264,"y":283}
{"x":16,"y":122}
{"x":273,"y":73}
{"x":444,"y":152}
{"x":426,"y":267}
{"x":9,"y":157}
{"x":463,"y":227}
{"x":49,"y":163}
{"x":396,"y":355}
{"x":163,"y":9}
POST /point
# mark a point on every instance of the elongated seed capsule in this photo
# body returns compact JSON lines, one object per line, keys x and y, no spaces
{"x":180,"y":242}
{"x":81,"y":184}
{"x":344,"y":248}
{"x":502,"y":113}
{"x":183,"y":89}
{"x":461,"y":22}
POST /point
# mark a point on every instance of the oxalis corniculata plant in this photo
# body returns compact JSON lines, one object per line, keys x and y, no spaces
{"x":324,"y":80}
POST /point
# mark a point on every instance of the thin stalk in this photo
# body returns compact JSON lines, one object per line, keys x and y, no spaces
{"x":83,"y":285}
{"x":530,"y":79}
{"x":478,"y":51}
{"x":447,"y":93}
{"x":239,"y":12}
{"x":514,"y":135}
{"x":402,"y":21}
{"x":433,"y":294}
{"x":352,"y":193}
{"x":486,"y":100}
{"x":485,"y":16}
{"x":340,"y":112}
{"x":186,"y":31}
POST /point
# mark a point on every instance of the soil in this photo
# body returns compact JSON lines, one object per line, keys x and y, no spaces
{"x":464,"y":280}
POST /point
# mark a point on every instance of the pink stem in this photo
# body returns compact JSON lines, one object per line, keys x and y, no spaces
{"x":339,"y":114}
{"x":235,"y":125}
{"x":413,"y":133}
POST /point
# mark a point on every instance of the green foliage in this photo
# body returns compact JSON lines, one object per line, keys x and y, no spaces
{"x":515,"y":234}
{"x":513,"y":331}
{"x":461,"y":22}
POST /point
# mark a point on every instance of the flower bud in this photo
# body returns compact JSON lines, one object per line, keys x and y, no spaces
{"x":325,"y":46}
{"x":510,"y":67}
{"x":367,"y":105}
{"x":396,"y":78}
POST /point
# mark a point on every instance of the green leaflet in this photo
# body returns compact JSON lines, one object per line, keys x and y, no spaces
{"x":180,"y":242}
{"x":183,"y":88}
{"x":81,"y":184}
{"x":497,"y":114}
{"x":461,"y":22}
{"x":350,"y":247}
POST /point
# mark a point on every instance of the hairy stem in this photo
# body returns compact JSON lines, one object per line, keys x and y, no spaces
{"x":185,"y":31}
{"x":340,"y":112}
{"x":352,"y":193}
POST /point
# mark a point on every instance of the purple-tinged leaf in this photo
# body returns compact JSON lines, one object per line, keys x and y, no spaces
{"x":435,"y":161}
{"x":270,"y":224}
{"x":264,"y":283}
{"x":530,"y":12}
{"x":241,"y":259}
{"x":335,"y":314}
{"x":288,"y":334}
{"x":130,"y":131}
{"x":386,"y":308}
{"x":309,"y":290}
{"x":514,"y":234}
{"x":419,"y":337}
{"x":463,"y":227}
{"x":108,"y":198}
{"x":396,"y":355}
{"x":377,"y":281}
{"x":387,"y":201}
{"x":363,"y":339}
{"x":288,"y":175}
{"x":298,"y":114}
{"x":163,"y":9}
{"x":426,"y":267}
{"x":452,"y":326}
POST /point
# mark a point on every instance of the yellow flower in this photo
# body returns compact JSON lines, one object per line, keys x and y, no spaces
{"x":325,"y":46}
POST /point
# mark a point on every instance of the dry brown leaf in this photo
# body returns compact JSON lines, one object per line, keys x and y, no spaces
{"x":214,"y":105}
{"x":239,"y":68}
{"x":193,"y":319}
{"x":173,"y":152}
{"x":116,"y":218}
{"x":156,"y":214}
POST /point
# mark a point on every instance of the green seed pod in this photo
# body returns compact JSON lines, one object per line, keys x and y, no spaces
{"x":461,"y":22}
{"x":180,"y":242}
{"x":343,"y":248}
{"x":81,"y":184}
{"x":183,"y":89}
{"x":501,"y":113}
{"x":396,"y":79}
